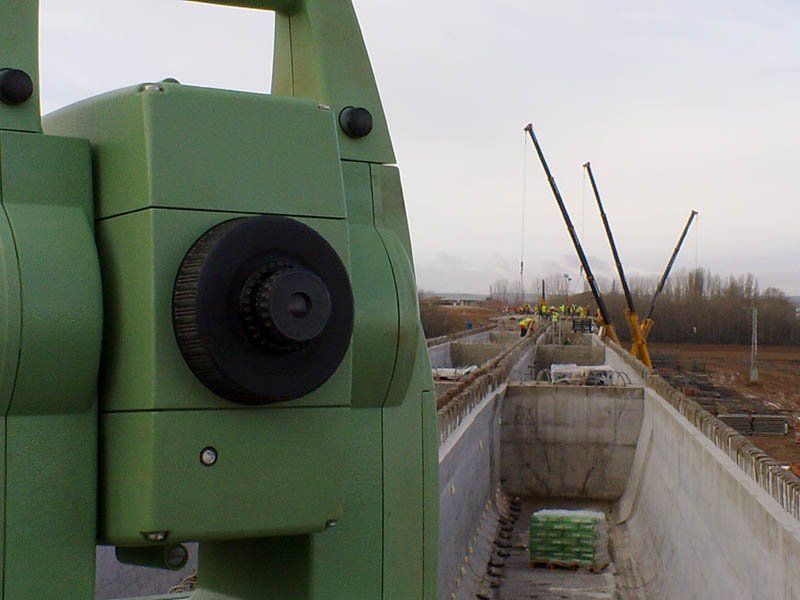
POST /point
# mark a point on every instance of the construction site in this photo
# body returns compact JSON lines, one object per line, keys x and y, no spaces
{"x":221,"y":379}
{"x":678,"y":487}
{"x":601,"y":467}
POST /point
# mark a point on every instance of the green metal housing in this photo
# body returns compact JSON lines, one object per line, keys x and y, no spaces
{"x":333,"y":495}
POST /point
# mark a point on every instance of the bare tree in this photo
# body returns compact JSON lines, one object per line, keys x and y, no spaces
{"x":500,"y":290}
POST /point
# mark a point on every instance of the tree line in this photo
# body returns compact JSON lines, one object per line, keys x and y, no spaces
{"x":695,"y":306}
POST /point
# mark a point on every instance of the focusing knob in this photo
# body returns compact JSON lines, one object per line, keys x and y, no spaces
{"x":283,"y":306}
{"x":263,"y":309}
{"x":293,"y":306}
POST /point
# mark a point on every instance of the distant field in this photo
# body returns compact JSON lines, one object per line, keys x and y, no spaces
{"x":778,"y":369}
{"x":729,"y":366}
{"x":457,"y":317}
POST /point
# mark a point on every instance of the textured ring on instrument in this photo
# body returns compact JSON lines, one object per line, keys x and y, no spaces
{"x":263,"y":310}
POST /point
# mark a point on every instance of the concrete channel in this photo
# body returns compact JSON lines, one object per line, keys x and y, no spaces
{"x":693,"y":510}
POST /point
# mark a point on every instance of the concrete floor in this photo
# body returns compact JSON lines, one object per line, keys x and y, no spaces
{"x":521,"y":581}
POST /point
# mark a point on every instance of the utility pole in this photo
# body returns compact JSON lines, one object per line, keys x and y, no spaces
{"x":754,"y":348}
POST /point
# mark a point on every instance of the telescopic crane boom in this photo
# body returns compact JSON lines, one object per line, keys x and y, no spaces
{"x":647,"y":325}
{"x":639,"y":348}
{"x":598,"y":298}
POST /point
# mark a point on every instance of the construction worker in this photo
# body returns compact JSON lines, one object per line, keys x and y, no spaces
{"x":525,"y":326}
{"x":554,"y":314}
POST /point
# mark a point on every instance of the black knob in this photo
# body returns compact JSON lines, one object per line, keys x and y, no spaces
{"x":356,"y":122}
{"x":293,"y":305}
{"x":16,"y":86}
{"x":263,"y":309}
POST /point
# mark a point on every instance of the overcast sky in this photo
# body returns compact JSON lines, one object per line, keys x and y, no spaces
{"x":678,"y":104}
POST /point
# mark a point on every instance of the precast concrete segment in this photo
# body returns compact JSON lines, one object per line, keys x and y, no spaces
{"x":553,"y":354}
{"x":481,"y":334}
{"x":688,"y":509}
{"x":474,"y":349}
{"x":469,"y":477}
{"x":699,"y":526}
{"x":465,"y":354}
{"x":441,"y":356}
{"x":569,"y":441}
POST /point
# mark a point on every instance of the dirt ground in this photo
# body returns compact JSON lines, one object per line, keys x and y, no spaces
{"x":729,"y":366}
{"x":778,"y":370}
{"x":457,"y":317}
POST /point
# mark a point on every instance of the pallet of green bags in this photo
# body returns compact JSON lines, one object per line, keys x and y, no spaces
{"x":569,"y":539}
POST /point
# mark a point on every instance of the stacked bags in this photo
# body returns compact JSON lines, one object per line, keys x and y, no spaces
{"x":574,"y":538}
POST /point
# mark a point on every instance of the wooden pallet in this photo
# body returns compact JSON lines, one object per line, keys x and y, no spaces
{"x":552,"y":565}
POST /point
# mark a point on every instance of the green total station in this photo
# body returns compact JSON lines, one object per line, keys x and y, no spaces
{"x":210,"y":330}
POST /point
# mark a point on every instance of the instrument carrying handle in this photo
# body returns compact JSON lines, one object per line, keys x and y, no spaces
{"x":279,"y":6}
{"x":319,"y":55}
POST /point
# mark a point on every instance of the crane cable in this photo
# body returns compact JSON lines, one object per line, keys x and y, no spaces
{"x":697,"y":242}
{"x":584,"y":185}
{"x":583,"y":205}
{"x":524,"y":202}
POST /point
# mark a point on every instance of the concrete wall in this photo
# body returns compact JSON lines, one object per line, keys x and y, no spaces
{"x":698,"y":525}
{"x":464,"y":354}
{"x":469,"y":475}
{"x":451,"y":352}
{"x":440,"y":355}
{"x":503,"y":337}
{"x":523,"y":370}
{"x":480,"y":337}
{"x":585,"y":355}
{"x":466,"y":334}
{"x":569,"y":441}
